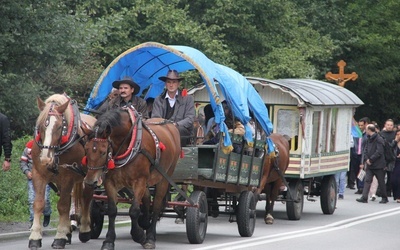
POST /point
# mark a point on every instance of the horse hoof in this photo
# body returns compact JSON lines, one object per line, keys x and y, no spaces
{"x":138,"y":236}
{"x":69,"y":236}
{"x":269,"y":220}
{"x":107,"y":246}
{"x":84,"y":237}
{"x":59,"y":243}
{"x":35,"y":244}
{"x":149,"y":245}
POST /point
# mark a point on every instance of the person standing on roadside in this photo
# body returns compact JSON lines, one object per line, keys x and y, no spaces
{"x":5,"y":141}
{"x":395,"y":178}
{"x":362,"y":124}
{"x":375,"y":164}
{"x":388,"y":133}
{"x":26,"y":165}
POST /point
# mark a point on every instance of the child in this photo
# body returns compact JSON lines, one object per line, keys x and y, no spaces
{"x":26,"y":168}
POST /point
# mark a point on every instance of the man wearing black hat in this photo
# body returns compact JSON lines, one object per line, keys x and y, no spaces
{"x":174,"y":106}
{"x":127,"y":89}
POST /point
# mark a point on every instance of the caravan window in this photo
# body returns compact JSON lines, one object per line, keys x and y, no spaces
{"x":287,"y":123}
{"x":316,"y":121}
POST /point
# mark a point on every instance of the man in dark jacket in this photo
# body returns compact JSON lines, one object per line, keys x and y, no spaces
{"x":127,"y":96}
{"x":388,"y":133}
{"x":175,"y":106}
{"x":5,"y":141}
{"x":374,"y":161}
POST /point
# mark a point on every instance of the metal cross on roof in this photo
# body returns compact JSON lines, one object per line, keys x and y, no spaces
{"x":341,"y":78}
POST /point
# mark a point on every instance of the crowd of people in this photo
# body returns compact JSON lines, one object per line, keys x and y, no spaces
{"x":367,"y":155}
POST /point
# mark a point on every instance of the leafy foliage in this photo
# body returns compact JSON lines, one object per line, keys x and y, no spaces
{"x":13,"y":188}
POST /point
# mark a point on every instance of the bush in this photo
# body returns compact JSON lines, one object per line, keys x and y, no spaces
{"x":13,"y":189}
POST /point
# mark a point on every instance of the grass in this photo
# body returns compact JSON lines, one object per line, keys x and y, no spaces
{"x":14,"y":191}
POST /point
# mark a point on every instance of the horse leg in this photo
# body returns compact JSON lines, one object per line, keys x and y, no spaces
{"x":144,"y":219}
{"x":274,"y":192}
{"x":139,"y":190}
{"x":109,"y":242}
{"x":158,"y":204}
{"x":269,"y":219}
{"x":35,"y":238}
{"x":64,"y":224}
{"x":86,"y":198}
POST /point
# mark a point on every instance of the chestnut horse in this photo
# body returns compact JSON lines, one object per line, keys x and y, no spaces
{"x":272,"y":180}
{"x":56,"y":155}
{"x":125,"y":152}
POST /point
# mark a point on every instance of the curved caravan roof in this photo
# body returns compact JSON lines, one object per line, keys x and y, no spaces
{"x":306,"y":92}
{"x":146,"y":62}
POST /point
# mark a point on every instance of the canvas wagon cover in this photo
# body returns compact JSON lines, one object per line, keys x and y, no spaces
{"x":146,"y":62}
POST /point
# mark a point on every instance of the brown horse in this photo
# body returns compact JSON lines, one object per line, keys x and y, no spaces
{"x":56,"y":155}
{"x":272,"y":180}
{"x":128,"y":153}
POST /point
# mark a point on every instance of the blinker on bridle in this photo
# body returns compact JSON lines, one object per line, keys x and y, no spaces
{"x":109,"y":163}
{"x":52,"y":112}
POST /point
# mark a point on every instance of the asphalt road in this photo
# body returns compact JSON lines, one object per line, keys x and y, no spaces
{"x":352,"y":226}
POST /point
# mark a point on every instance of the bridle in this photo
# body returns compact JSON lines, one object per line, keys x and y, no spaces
{"x":52,"y":112}
{"x":109,"y":160}
{"x":66,"y":140}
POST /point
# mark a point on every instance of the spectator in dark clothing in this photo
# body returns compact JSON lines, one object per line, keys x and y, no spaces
{"x":395,"y":175}
{"x":5,"y":141}
{"x":374,"y":160}
{"x":388,"y":133}
{"x":362,"y":123}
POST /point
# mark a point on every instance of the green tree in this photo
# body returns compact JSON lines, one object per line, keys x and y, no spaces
{"x":43,"y":50}
{"x":373,"y":50}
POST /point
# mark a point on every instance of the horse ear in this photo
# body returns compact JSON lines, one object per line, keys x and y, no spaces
{"x":61,"y":109}
{"x":40,"y":103}
{"x":86,"y":128}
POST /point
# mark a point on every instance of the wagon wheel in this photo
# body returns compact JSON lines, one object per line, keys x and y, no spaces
{"x":246,"y":214}
{"x":197,"y":218}
{"x":96,"y":219}
{"x":294,"y":208}
{"x":328,"y":194}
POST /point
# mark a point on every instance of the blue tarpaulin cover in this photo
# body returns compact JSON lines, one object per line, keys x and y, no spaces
{"x":146,"y":62}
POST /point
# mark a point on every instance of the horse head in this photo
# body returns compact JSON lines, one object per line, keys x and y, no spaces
{"x":51,"y":127}
{"x":98,"y":150}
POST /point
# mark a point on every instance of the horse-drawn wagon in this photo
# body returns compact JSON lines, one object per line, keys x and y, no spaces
{"x":317,"y":116}
{"x":209,"y":168}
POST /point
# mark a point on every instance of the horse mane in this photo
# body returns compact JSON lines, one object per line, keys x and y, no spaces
{"x":106,"y":121}
{"x":57,"y":99}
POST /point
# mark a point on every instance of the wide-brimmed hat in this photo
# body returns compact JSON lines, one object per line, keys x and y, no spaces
{"x":172,"y":75}
{"x":127,"y":80}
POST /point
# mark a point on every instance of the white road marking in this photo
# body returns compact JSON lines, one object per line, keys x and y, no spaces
{"x":256,"y":241}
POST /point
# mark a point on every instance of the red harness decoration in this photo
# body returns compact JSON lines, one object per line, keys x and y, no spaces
{"x":162,"y":146}
{"x":111,"y":164}
{"x":133,"y":138}
{"x":29,"y":144}
{"x":84,"y":161}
